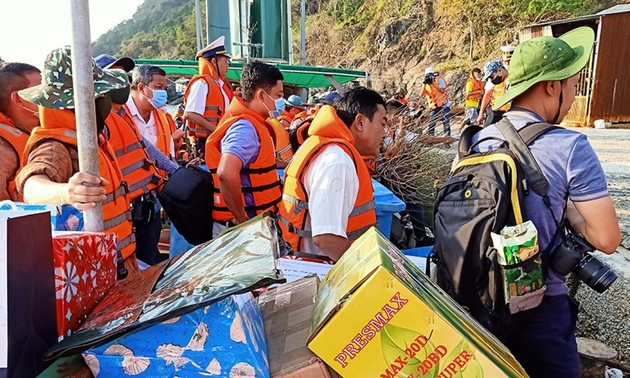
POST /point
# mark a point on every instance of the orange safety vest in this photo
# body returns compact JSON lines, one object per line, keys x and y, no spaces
{"x":478,"y":85}
{"x":59,"y":125}
{"x":299,"y":134}
{"x":370,"y":163}
{"x":215,"y":103}
{"x":17,"y":139}
{"x":227,"y":88}
{"x":301,"y":116}
{"x":165,"y":134}
{"x":498,"y":91}
{"x":280,"y":137}
{"x":136,"y":166}
{"x":265,"y":183}
{"x":434,"y":97}
{"x":285,"y":118}
{"x":325,"y":130}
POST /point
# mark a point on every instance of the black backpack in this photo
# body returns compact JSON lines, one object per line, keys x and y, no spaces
{"x":483,"y":194}
{"x":188,"y":199}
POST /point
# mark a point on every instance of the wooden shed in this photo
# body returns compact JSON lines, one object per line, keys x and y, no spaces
{"x":604,"y":87}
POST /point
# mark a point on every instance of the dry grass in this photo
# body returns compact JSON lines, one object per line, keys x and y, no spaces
{"x":414,"y":164}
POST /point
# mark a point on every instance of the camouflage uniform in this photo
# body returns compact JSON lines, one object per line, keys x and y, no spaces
{"x":56,"y":90}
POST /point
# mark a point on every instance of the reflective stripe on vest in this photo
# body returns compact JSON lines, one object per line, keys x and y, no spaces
{"x":201,"y":132}
{"x":144,"y":184}
{"x":132,"y":147}
{"x":117,"y":220}
{"x":144,"y":163}
{"x":119,"y":192}
{"x":121,"y":244}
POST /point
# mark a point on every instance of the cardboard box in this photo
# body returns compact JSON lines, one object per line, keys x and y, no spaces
{"x":85,"y":268}
{"x":224,"y":339}
{"x":378,"y":315}
{"x":287,"y":313}
{"x":295,"y":268}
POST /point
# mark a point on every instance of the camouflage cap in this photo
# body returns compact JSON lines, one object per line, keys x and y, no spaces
{"x":56,"y":90}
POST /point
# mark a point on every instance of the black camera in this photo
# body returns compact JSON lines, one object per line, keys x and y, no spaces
{"x":574,"y":255}
{"x":429,"y":78}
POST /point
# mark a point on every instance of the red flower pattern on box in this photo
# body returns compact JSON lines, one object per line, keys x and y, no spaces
{"x":85,"y":268}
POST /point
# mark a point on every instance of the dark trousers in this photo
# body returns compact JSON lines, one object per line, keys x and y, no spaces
{"x":444,"y":113}
{"x":200,"y":144}
{"x":492,"y":116}
{"x":417,"y":217}
{"x":147,"y":239}
{"x":545,"y":343}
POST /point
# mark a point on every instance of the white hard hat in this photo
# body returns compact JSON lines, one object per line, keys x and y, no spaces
{"x":429,"y":70}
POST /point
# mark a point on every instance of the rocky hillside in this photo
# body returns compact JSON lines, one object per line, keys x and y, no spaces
{"x":395,"y":40}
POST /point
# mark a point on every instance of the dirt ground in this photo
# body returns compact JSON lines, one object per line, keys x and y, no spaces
{"x":612,"y":146}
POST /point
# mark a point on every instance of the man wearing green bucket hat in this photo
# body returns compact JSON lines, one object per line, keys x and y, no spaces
{"x":544,"y":76}
{"x":51,"y":174}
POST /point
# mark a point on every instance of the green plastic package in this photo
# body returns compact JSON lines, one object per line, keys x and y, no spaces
{"x":521,"y":266}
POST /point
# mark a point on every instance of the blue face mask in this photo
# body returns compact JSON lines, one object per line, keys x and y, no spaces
{"x":279,"y":107}
{"x":160,"y":96}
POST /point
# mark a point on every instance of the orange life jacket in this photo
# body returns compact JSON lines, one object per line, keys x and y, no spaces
{"x":59,"y":125}
{"x":227,"y":88}
{"x":136,"y":166}
{"x":370,"y":163}
{"x":215,"y":103}
{"x":477,"y":85}
{"x":301,"y":116}
{"x":498,"y":91}
{"x":165,"y":134}
{"x":285,"y":119}
{"x":299,"y":134}
{"x":265,"y":183}
{"x":280,"y":137}
{"x":17,"y":139}
{"x":434,"y":97}
{"x":325,"y":130}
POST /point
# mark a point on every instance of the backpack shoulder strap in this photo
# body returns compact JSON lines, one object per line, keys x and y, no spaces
{"x":465,"y":140}
{"x":517,"y":145}
{"x":531,"y":132}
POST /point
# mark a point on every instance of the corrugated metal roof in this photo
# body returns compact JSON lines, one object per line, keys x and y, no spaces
{"x":622,"y":8}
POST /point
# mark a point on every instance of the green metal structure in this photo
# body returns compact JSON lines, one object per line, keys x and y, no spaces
{"x":294,"y":75}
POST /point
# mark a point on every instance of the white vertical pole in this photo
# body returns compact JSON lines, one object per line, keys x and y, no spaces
{"x":83,"y":82}
{"x":198,"y":28}
{"x":303,"y":34}
{"x":289,"y":36}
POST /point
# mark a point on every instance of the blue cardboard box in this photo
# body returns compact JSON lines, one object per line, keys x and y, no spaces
{"x":225,"y":339}
{"x":386,"y":205}
{"x":62,"y":217}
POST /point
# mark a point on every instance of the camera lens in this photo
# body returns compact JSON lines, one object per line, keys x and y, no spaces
{"x":597,"y":275}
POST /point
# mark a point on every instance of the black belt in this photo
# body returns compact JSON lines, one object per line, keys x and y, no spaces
{"x":227,"y":224}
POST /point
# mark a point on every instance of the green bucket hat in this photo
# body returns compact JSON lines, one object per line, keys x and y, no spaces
{"x":56,"y":89}
{"x":547,"y":59}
